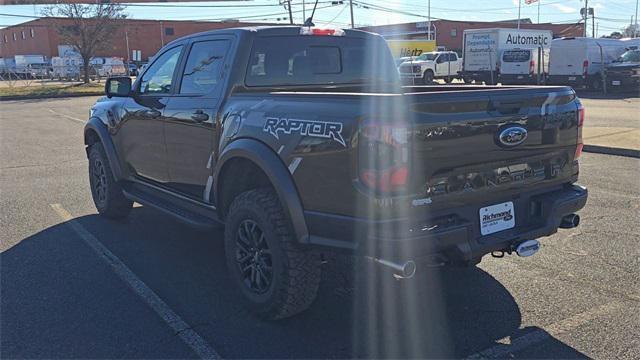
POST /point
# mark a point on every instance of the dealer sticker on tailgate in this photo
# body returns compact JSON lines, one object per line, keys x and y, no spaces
{"x":496,"y":218}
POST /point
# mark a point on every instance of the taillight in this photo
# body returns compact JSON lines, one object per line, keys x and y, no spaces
{"x":388,"y":180}
{"x":581,"y":115}
{"x":585,"y":67}
{"x":383,"y":157}
{"x":578,"y":151}
{"x":532,"y":66}
{"x":307,"y":30}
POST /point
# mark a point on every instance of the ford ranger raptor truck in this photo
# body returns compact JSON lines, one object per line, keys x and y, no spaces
{"x":302,"y":141}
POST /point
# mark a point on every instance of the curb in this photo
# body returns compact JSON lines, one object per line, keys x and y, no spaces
{"x":607,"y":150}
{"x":57,"y":96}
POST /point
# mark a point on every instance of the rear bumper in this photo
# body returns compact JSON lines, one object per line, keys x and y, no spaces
{"x":623,"y":83}
{"x":518,"y":79}
{"x":453,"y":234}
{"x":578,"y":81}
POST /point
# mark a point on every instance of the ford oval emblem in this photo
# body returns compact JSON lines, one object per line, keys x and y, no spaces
{"x":512,"y":136}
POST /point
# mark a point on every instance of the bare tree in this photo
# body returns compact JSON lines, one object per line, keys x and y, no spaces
{"x":88,"y":28}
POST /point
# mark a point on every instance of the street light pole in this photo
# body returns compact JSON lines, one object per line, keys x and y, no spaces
{"x":519,"y":8}
{"x":429,"y":20}
{"x":586,"y":14}
{"x":351,"y":9}
{"x":635,"y":33}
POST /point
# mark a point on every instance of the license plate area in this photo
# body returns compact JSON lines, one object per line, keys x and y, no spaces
{"x":616,"y":83}
{"x":496,"y":218}
{"x":572,"y":78}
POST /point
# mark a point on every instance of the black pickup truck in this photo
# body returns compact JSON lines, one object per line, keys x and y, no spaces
{"x":302,"y":141}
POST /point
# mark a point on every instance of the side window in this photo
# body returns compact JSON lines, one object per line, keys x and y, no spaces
{"x":453,"y":57}
{"x":442,"y":58}
{"x":204,"y":64}
{"x":157,"y":79}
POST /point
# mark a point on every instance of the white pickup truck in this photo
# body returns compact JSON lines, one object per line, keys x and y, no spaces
{"x":432,"y":65}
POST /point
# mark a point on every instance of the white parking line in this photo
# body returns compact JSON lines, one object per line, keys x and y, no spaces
{"x":67,"y":116}
{"x":181,"y":328}
{"x":505,"y":348}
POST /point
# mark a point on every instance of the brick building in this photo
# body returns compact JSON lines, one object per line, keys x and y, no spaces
{"x":39,"y":37}
{"x":448,"y":33}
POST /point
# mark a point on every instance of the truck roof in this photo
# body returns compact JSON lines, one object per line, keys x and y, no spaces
{"x":266,"y":30}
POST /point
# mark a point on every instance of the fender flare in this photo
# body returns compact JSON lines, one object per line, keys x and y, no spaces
{"x":99,"y":127}
{"x":269,"y":162}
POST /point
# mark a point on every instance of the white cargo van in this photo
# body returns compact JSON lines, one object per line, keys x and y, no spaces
{"x":523,"y":66}
{"x":579,"y":61}
{"x":483,"y":49}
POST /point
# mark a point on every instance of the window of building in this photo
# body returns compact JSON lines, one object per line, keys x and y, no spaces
{"x":168,"y":31}
{"x":5,"y":38}
{"x":203,"y":68}
{"x":33,"y":33}
{"x":23,"y":36}
{"x":15,"y":37}
{"x":454,"y":32}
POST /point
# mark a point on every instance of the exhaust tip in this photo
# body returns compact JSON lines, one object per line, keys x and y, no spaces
{"x":570,"y":221}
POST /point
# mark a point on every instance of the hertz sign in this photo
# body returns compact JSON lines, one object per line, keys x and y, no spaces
{"x":402,"y":48}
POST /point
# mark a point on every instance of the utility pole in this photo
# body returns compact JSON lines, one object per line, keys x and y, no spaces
{"x":429,"y":20}
{"x":304,"y":15}
{"x":351,"y":8}
{"x":290,"y":14}
{"x":539,"y":1}
{"x":593,"y":23}
{"x":586,"y":13}
{"x":635,"y":33}
{"x":519,"y":9}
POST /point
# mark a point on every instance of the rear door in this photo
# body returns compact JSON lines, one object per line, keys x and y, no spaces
{"x":515,"y":62}
{"x":567,"y":58}
{"x":191,"y":124}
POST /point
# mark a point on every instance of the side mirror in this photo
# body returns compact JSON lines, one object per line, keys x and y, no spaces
{"x":118,"y":86}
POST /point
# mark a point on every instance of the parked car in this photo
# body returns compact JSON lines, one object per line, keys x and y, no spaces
{"x":624,"y":73}
{"x":579,"y":61}
{"x":301,"y":148}
{"x":132,"y":69}
{"x":523,"y":66}
{"x":432,"y":65}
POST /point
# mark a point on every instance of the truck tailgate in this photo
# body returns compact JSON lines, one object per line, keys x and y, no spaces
{"x":493,"y":140}
{"x":465,"y":145}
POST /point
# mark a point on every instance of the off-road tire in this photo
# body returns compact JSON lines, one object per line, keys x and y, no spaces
{"x":295,"y":271}
{"x":106,"y":192}
{"x":427,"y":77}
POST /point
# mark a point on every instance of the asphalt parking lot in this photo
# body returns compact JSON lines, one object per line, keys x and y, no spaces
{"x":74,"y":285}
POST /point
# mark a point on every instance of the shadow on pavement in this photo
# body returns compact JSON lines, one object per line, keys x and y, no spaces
{"x":60,"y":300}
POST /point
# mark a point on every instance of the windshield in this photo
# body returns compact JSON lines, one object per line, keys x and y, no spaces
{"x":427,"y":57}
{"x":632,"y":56}
{"x":319,"y":60}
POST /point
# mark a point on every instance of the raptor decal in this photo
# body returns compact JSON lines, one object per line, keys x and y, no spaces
{"x":321,"y":129}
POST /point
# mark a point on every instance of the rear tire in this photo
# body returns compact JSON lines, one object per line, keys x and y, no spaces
{"x":277,"y":278}
{"x":596,"y":84}
{"x":106,"y":192}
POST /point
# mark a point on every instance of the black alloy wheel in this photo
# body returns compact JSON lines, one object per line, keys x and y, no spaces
{"x":253,"y":257}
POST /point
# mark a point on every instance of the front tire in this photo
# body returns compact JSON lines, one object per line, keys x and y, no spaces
{"x":276,"y":277}
{"x":427,"y":77}
{"x":106,"y":192}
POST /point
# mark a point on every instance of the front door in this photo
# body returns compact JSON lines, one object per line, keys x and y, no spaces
{"x":141,"y":134}
{"x":191,"y":126}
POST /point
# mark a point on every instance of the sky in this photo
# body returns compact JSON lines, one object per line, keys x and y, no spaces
{"x":611,"y":15}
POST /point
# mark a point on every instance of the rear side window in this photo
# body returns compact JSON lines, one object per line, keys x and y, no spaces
{"x":516,"y":56}
{"x":202,"y":73}
{"x":308,"y":60}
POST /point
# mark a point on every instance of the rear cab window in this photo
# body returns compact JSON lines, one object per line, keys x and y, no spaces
{"x":318,"y":60}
